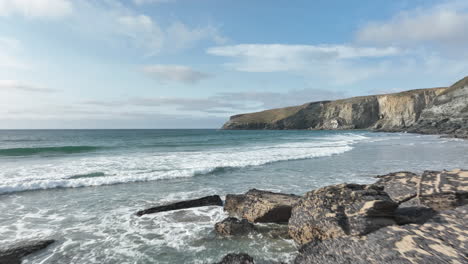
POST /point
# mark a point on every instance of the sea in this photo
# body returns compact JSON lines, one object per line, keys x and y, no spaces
{"x":83,"y":187}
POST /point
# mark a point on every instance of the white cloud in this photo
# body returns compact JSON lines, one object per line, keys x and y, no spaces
{"x":177,"y":73}
{"x":445,"y":24}
{"x":142,"y":2}
{"x":13,"y":85}
{"x":280,"y":57}
{"x":36,"y":8}
{"x":9,"y":48}
{"x":146,"y":33}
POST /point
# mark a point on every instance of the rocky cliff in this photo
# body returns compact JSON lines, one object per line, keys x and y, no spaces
{"x":414,"y":111}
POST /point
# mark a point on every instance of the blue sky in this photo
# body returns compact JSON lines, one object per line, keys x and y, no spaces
{"x":193,"y":63}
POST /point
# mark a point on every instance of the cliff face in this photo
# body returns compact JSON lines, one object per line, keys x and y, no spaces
{"x":384,"y":112}
{"x":448,"y":113}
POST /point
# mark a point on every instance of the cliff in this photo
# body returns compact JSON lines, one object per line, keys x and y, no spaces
{"x":415,"y":111}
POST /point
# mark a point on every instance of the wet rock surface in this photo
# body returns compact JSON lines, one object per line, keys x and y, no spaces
{"x":442,"y":239}
{"x":341,"y":210}
{"x":240,"y":258}
{"x":259,"y":206}
{"x":213,"y":200}
{"x":232,"y":226}
{"x":14,"y":254}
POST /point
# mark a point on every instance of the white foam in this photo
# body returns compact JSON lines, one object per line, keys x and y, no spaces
{"x":138,"y":167}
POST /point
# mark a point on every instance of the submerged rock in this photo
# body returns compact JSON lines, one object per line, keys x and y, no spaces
{"x":261,"y":206}
{"x":14,"y":254}
{"x":233,"y":226}
{"x":240,"y":258}
{"x":213,"y":200}
{"x":341,"y":210}
{"x":442,"y":239}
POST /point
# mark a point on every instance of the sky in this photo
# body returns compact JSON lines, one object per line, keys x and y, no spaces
{"x":193,"y":63}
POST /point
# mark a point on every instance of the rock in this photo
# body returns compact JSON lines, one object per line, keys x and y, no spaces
{"x":447,"y":114}
{"x":413,"y":214}
{"x":439,"y":190}
{"x":441,"y":110}
{"x":442,"y":239}
{"x":387,"y":112}
{"x":443,"y":190}
{"x":233,"y":226}
{"x":341,"y":210}
{"x":400,"y":186}
{"x":14,"y":254}
{"x":213,"y":200}
{"x":261,"y":206}
{"x":240,"y":258}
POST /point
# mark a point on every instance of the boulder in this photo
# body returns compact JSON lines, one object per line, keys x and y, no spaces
{"x":259,"y":206}
{"x":213,"y":200}
{"x":240,"y":258}
{"x":439,"y":190}
{"x":341,"y":210}
{"x":442,"y":239}
{"x":233,"y":226}
{"x":14,"y":254}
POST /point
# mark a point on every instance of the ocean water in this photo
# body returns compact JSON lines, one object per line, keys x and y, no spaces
{"x":83,"y":187}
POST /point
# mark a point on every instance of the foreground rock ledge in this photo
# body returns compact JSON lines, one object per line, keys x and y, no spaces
{"x":259,"y":206}
{"x":341,"y":210}
{"x":14,"y":254}
{"x":442,"y":239}
{"x":439,"y":190}
{"x":213,"y":200}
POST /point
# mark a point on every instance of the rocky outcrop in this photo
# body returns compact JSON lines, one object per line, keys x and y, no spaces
{"x":240,"y":258}
{"x":259,"y":206}
{"x":14,"y":254}
{"x":341,"y":210}
{"x":213,"y":200}
{"x":233,"y":226}
{"x":442,"y":239}
{"x":447,"y":114}
{"x":428,"y":111}
{"x":383,"y":112}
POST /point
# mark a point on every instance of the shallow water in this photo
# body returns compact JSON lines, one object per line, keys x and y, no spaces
{"x":84,"y":187}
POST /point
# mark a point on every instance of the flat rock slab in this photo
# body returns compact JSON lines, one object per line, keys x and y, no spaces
{"x":442,"y":239}
{"x":14,"y":254}
{"x":442,"y":190}
{"x":439,"y":190}
{"x":400,"y":186}
{"x":341,"y":210}
{"x":213,"y":200}
{"x":259,"y":206}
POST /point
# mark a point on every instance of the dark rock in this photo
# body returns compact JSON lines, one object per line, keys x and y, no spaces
{"x":14,"y":254}
{"x":240,"y":258}
{"x":261,"y":206}
{"x":341,"y":210}
{"x":233,"y":226}
{"x":413,"y":214}
{"x":213,"y":200}
{"x":442,"y":239}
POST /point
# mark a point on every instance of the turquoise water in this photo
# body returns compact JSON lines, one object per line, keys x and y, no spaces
{"x":82,"y":187}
